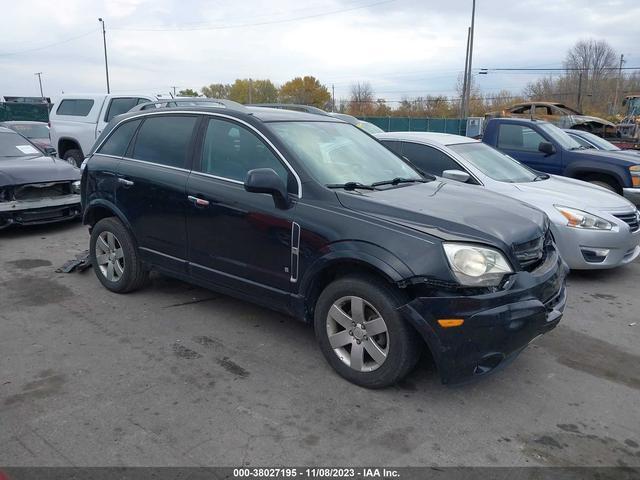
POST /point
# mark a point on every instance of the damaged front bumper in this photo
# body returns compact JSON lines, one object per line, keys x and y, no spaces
{"x":497,"y":325}
{"x":41,"y":210}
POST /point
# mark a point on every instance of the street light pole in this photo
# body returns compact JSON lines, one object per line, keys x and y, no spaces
{"x":39,"y":74}
{"x":106,"y":64}
{"x":468,"y":93}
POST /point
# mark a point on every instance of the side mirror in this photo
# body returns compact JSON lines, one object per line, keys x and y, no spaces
{"x":546,"y":148}
{"x":51,"y":151}
{"x":266,"y":180}
{"x":457,"y":175}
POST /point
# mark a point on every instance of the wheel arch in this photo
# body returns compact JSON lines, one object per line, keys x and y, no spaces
{"x":99,"y":209}
{"x":67,"y":143}
{"x":586,"y":172}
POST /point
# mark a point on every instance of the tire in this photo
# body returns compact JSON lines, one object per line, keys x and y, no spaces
{"x":400,"y":343}
{"x":603,"y":181}
{"x":74,"y":157}
{"x":111,"y":243}
{"x":604,"y":184}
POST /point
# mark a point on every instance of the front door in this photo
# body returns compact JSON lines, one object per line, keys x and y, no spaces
{"x":522,"y":142}
{"x":151,"y":186}
{"x":237,"y":239}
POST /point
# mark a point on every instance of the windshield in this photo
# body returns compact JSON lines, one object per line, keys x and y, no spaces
{"x":369,"y":127}
{"x":600,"y":143}
{"x":337,"y":153}
{"x":13,"y":145}
{"x":560,"y":137}
{"x":31,"y":130}
{"x":494,"y":164}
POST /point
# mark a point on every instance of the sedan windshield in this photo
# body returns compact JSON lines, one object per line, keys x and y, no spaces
{"x":494,"y":164}
{"x":599,"y":142}
{"x":14,"y":145}
{"x":339,"y":153}
{"x":31,"y":130}
{"x":560,"y":137}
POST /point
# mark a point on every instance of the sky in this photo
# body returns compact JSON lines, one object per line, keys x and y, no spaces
{"x":404,"y":48}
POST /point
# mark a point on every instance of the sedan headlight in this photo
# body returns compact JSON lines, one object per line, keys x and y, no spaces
{"x":579,"y":219}
{"x":476,"y":266}
{"x":75,"y":187}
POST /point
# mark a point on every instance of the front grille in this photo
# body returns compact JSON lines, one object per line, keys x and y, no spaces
{"x":630,"y":219}
{"x":35,"y":191}
{"x":532,"y":253}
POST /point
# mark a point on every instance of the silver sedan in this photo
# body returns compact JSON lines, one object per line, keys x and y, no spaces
{"x":593,"y":227}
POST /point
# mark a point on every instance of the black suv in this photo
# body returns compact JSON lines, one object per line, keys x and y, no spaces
{"x":311,"y":216}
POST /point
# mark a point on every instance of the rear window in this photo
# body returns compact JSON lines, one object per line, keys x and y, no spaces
{"x":118,"y":106}
{"x":75,"y":106}
{"x":165,"y":140}
{"x":118,"y":141}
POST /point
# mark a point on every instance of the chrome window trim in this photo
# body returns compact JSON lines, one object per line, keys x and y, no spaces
{"x":211,"y":114}
{"x":155,"y":164}
{"x":210,"y":175}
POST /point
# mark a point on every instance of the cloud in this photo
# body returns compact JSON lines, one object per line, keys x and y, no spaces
{"x":404,"y":47}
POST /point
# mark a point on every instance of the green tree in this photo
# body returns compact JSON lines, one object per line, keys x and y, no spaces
{"x":306,"y":91}
{"x":247,"y":90}
{"x":187,"y":92}
{"x":216,"y":90}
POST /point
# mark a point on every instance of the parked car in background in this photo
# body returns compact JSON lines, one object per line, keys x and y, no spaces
{"x":368,"y":127}
{"x":311,"y":216}
{"x":175,"y":102}
{"x":37,"y":132}
{"x":76,"y":120}
{"x":558,"y":114}
{"x":34,"y":188}
{"x":589,"y":140}
{"x":545,"y":147}
{"x":593,"y":227}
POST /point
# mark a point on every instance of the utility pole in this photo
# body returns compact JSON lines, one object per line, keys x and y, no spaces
{"x":580,"y":91}
{"x":174,"y":91}
{"x":614,"y":110}
{"x":250,"y":90}
{"x":464,"y":80}
{"x":333,"y":98}
{"x":473,"y":21}
{"x":106,"y":64}
{"x":39,"y":74}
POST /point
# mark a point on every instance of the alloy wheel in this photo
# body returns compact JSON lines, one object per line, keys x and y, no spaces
{"x":109,"y":256}
{"x":357,"y":334}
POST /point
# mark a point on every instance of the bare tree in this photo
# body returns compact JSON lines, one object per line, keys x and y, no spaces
{"x":362,"y":98}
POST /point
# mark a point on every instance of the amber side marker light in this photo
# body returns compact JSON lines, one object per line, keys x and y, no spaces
{"x":450,"y":322}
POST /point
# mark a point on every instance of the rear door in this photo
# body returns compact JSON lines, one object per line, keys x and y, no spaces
{"x":151,"y":186}
{"x":521,"y":142}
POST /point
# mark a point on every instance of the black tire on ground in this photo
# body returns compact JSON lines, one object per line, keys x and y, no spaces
{"x":134,"y":274}
{"x":404,"y":343}
{"x":74,"y":157}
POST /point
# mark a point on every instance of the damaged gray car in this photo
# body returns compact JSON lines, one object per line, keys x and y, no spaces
{"x":35,"y":187}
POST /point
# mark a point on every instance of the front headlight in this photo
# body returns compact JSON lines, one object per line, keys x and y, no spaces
{"x":476,"y":266}
{"x":579,"y":219}
{"x":635,"y":175}
{"x":75,"y":187}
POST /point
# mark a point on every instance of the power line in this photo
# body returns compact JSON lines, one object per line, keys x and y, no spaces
{"x":256,"y":24}
{"x":6,"y":54}
{"x":552,"y":69}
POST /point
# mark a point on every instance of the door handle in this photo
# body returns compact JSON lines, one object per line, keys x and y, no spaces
{"x":125,"y":182}
{"x":198,"y":202}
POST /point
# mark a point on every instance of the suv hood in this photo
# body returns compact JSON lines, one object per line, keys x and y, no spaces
{"x":22,"y":170}
{"x":573,"y":193}
{"x":451,"y":211}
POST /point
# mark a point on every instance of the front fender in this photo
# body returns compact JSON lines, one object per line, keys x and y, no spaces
{"x":577,"y":168}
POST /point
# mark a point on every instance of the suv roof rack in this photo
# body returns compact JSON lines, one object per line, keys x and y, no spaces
{"x":193,"y":101}
{"x":291,"y":106}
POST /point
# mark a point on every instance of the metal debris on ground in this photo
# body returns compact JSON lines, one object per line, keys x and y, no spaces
{"x":80,"y":263}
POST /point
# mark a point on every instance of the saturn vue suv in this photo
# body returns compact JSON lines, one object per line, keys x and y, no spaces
{"x":310,"y":216}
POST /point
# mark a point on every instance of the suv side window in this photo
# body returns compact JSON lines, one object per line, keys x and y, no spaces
{"x":519,"y":137}
{"x":75,"y":107}
{"x":118,"y":141}
{"x":165,"y":139}
{"x":118,"y":106}
{"x":230,"y":151}
{"x":429,"y":159}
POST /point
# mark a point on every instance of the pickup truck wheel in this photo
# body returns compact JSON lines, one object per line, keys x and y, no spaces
{"x":74,"y":157}
{"x":362,"y":335}
{"x":115,"y":257}
{"x":604,"y":182}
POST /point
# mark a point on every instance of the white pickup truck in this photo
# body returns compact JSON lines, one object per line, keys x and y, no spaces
{"x":76,"y":120}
